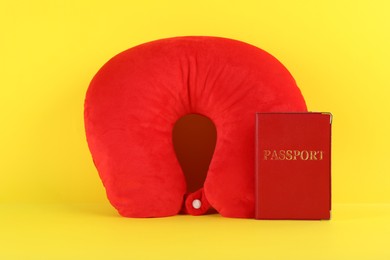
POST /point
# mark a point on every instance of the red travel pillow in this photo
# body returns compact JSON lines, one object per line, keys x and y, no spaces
{"x":135,"y":99}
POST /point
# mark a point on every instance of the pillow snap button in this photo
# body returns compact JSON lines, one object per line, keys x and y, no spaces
{"x":196,"y":204}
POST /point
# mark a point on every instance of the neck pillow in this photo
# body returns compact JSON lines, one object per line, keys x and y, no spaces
{"x":135,"y":99}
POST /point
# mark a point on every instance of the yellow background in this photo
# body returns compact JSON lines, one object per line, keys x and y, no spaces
{"x":52,"y":203}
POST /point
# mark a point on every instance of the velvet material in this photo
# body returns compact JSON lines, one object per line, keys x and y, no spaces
{"x":135,"y":99}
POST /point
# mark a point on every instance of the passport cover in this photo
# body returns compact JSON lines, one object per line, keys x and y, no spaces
{"x":293,"y":166}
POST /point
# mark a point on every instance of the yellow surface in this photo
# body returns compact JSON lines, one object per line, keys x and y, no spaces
{"x":92,"y":231}
{"x":337,"y":50}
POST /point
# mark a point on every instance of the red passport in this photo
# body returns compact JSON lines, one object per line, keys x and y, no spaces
{"x":293,"y":166}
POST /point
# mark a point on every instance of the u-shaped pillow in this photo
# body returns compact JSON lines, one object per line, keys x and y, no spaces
{"x":135,"y":99}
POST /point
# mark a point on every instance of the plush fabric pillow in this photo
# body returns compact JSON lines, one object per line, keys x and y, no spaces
{"x":135,"y":99}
